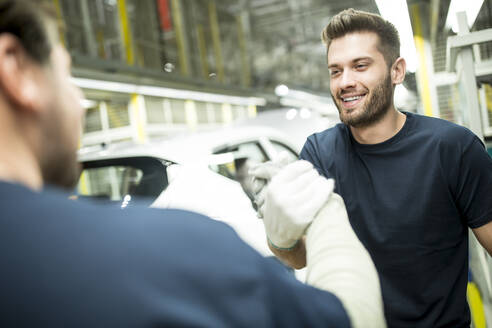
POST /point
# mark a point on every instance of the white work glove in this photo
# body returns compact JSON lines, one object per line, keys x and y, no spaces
{"x":261,"y":174}
{"x":292,"y":200}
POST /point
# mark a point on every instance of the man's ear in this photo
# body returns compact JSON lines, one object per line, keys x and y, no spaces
{"x":19,"y":74}
{"x":398,"y":70}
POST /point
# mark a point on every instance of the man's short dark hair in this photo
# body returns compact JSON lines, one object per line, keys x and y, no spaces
{"x":30,"y":22}
{"x":351,"y":20}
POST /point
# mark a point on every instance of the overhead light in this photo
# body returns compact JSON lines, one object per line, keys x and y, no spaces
{"x":291,"y":114}
{"x":281,"y":90}
{"x":305,"y":113}
{"x":147,"y":90}
{"x":396,"y":12}
{"x":470,"y":7}
{"x":169,"y":67}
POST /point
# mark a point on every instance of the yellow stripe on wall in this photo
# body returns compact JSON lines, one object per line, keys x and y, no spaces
{"x":126,"y":33}
{"x":476,"y":306}
{"x":423,"y":75}
{"x":83,"y":185}
{"x":226,"y":113}
{"x":190,"y":114}
{"x":252,"y":111}
{"x":137,"y":107}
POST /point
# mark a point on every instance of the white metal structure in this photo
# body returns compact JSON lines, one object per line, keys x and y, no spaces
{"x":460,"y":59}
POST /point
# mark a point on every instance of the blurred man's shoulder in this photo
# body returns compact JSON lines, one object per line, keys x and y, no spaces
{"x":53,"y":204}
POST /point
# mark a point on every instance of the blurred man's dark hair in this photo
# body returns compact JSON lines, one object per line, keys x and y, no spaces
{"x":34,"y":23}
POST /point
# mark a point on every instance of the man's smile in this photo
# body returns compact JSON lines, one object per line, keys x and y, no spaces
{"x":352,"y":100}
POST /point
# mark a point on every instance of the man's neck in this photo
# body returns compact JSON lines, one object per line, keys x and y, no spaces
{"x":382,"y":130}
{"x":17,"y":171}
{"x":18,"y":163}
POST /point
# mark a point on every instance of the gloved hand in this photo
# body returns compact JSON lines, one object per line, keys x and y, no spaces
{"x":292,"y":200}
{"x":262,"y":174}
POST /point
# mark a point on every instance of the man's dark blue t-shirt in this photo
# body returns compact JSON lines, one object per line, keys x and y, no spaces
{"x":410,"y":200}
{"x":70,"y":264}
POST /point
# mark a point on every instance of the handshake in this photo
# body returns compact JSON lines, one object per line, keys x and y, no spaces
{"x":295,"y":201}
{"x":288,"y":197}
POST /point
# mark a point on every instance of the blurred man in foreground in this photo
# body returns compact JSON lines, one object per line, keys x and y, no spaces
{"x":72,"y":264}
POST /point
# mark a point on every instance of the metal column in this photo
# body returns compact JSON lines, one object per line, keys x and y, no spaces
{"x":181,"y":40}
{"x":469,"y":79}
{"x":214,"y":26}
{"x":243,"y":32}
{"x":202,"y":49}
{"x":126,"y":32}
{"x":89,"y":35}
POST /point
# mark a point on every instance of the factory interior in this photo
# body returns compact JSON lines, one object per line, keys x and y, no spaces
{"x":182,"y":97}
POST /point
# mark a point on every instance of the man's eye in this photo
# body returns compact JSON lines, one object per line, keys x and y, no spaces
{"x":334,"y":72}
{"x":361,"y":66}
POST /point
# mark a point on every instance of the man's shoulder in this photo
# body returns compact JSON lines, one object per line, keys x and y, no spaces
{"x":322,"y":148}
{"x":54,"y":207}
{"x":336,"y":131}
{"x":440,"y":127}
{"x":443,"y":132}
{"x":110,"y":228}
{"x":196,"y":263}
{"x":330,"y":136}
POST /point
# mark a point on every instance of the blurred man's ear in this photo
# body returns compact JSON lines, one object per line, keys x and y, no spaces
{"x":20,"y":75}
{"x":398,"y":70}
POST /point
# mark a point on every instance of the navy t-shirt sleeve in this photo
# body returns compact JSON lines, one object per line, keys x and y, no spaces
{"x":309,"y":153}
{"x":474,"y":184}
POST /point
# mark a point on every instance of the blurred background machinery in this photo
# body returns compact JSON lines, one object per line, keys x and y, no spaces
{"x":157,"y":67}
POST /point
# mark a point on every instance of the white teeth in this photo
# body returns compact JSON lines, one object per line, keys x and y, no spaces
{"x":352,"y":98}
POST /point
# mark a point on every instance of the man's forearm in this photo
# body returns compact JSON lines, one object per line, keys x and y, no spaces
{"x":295,"y":257}
{"x":338,"y":263}
{"x":484,"y":236}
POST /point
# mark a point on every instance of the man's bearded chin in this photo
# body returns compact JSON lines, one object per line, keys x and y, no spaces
{"x":375,"y":107}
{"x":61,"y":170}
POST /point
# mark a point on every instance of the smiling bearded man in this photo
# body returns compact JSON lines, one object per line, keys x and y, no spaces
{"x":413,"y":185}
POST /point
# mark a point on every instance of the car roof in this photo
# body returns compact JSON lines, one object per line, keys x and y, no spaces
{"x":185,"y":148}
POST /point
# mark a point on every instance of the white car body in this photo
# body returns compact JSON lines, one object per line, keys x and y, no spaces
{"x":192,"y":184}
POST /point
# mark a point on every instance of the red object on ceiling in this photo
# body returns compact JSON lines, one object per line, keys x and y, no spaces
{"x":165,"y":15}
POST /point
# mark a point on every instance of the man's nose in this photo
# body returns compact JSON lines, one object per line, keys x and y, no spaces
{"x":347,"y":79}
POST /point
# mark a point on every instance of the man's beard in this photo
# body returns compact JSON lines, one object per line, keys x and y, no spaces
{"x":374,"y":108}
{"x":59,"y":166}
